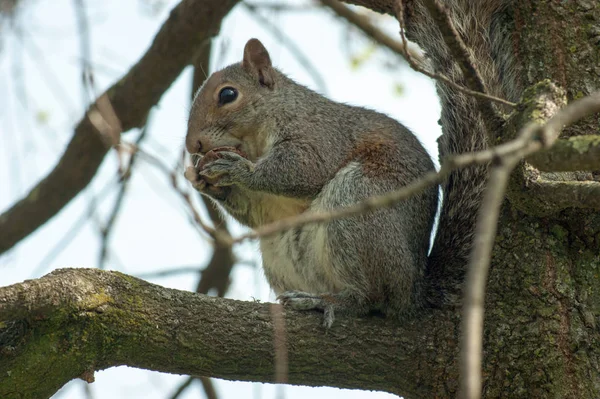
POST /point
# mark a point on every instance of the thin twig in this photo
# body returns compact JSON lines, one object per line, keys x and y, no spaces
{"x":567,"y":116}
{"x":437,"y":76}
{"x":364,"y":24}
{"x":282,"y":7}
{"x":455,"y":44}
{"x":177,"y":270}
{"x":279,"y":344}
{"x":207,"y":384}
{"x":391,"y":198}
{"x":291,"y":45}
{"x":67,"y":237}
{"x":125,"y":176}
{"x":182,"y":387}
{"x":172,"y":174}
{"x":479,"y":263}
{"x":87,"y":74}
{"x":209,"y":388}
{"x":171,"y":271}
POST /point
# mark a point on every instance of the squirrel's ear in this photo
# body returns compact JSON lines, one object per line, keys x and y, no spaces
{"x":258,"y":63}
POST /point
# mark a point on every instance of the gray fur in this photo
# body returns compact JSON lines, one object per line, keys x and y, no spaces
{"x":464,"y":128}
{"x":375,"y":261}
{"x":313,"y":159}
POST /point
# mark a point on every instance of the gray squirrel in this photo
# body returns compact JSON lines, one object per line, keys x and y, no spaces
{"x":284,"y":149}
{"x":303,"y":150}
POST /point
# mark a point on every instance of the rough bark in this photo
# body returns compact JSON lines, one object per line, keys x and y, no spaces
{"x":190,"y":24}
{"x":541,"y":327}
{"x":74,"y":321}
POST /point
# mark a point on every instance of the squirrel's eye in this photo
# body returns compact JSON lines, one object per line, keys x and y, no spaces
{"x":227,"y":95}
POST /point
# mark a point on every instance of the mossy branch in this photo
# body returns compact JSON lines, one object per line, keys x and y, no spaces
{"x":573,"y":154}
{"x":72,"y":322}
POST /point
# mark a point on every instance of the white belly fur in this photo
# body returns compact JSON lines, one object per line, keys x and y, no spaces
{"x":301,"y":259}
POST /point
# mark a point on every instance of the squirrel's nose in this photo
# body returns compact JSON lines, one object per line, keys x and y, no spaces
{"x":198,"y":145}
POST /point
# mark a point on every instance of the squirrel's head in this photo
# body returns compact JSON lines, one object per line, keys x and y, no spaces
{"x":229,"y":109}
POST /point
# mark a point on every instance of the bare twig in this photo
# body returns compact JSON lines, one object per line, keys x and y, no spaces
{"x":279,"y":343}
{"x":172,"y":174}
{"x":125,"y":175}
{"x":183,"y":387}
{"x":575,"y":111}
{"x":364,"y":24}
{"x":176,"y":270}
{"x":209,"y":388}
{"x":207,"y":384}
{"x":391,"y":198}
{"x":455,"y":44}
{"x":479,"y":263}
{"x":290,"y":44}
{"x":70,"y":234}
{"x":87,"y":75}
{"x":462,"y":57}
{"x":282,"y":7}
{"x":439,"y":77}
{"x":171,"y":271}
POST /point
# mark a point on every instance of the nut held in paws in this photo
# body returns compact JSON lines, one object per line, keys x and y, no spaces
{"x":213,"y":155}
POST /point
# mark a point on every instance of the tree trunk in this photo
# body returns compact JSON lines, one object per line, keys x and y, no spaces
{"x":541,"y":338}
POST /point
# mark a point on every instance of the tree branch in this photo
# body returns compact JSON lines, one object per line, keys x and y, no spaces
{"x":573,"y":154}
{"x":363,"y":23}
{"x":189,"y":24}
{"x":477,"y":275}
{"x":544,"y":112}
{"x":72,"y":322}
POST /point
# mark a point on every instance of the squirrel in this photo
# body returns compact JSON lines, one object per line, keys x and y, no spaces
{"x":283,"y":149}
{"x":305,"y":152}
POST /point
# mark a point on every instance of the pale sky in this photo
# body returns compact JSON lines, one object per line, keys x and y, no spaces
{"x":41,"y":101}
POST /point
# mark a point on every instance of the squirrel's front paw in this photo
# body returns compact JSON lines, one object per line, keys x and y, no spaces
{"x":218,"y":193}
{"x":229,"y":169}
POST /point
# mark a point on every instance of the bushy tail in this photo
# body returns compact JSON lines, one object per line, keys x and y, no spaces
{"x":464,"y":129}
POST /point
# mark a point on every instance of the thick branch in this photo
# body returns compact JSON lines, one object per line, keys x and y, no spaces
{"x":190,"y":23}
{"x":573,"y":154}
{"x":542,"y":197}
{"x":75,"y":321}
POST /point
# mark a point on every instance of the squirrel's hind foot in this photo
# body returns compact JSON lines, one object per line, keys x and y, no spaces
{"x":299,"y":300}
